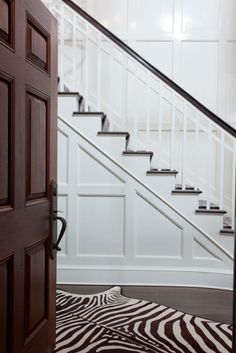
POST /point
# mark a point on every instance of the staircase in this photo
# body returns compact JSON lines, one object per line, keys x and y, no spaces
{"x":179,"y":153}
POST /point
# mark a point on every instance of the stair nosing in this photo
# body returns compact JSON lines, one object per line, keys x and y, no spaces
{"x":89,"y":113}
{"x":113,"y":133}
{"x":138,"y":153}
{"x":187,"y":192}
{"x":212,"y":212}
{"x":68,"y":94}
{"x":159,"y":172}
{"x":227,"y":231}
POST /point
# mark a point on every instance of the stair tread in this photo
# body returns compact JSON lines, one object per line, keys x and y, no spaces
{"x":113,"y":133}
{"x":162,"y":172}
{"x":210,"y":211}
{"x":89,"y":113}
{"x":226,"y":231}
{"x":187,"y":192}
{"x":69,"y":94}
{"x":138,"y":153}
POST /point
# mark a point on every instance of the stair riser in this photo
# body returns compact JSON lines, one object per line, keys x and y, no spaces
{"x":162,"y":184}
{"x":138,"y":165}
{"x":184,"y":202}
{"x":210,"y":223}
{"x":67,"y":105}
{"x":87,"y":125}
{"x":116,"y":144}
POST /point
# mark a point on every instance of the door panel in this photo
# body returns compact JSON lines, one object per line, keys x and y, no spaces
{"x":37,"y":44}
{"x":5,"y":142}
{"x":28,"y":100}
{"x":6,"y":17}
{"x":36,"y":272}
{"x":6,"y":288}
{"x":36,"y":147}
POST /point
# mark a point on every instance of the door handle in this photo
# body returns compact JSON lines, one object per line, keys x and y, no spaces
{"x":62,"y":232}
{"x":54,"y":240}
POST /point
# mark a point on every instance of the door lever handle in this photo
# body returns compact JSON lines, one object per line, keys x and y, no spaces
{"x":62,"y":232}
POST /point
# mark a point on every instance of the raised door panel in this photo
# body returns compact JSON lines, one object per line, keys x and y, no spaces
{"x":37,"y":45}
{"x":5,"y":142}
{"x":37,"y":145}
{"x":5,"y":305}
{"x":36,"y":288}
{"x":6,"y":14}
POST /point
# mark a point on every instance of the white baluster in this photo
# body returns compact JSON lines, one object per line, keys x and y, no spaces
{"x":74,"y":76}
{"x":222,"y":169}
{"x":62,"y":73}
{"x":196,"y":153}
{"x":99,"y":72}
{"x":135,"y":105}
{"x":86,"y":67}
{"x":172,"y":127}
{"x":125,"y":92}
{"x":184,"y":142}
{"x":148,"y":110}
{"x":160,"y":122}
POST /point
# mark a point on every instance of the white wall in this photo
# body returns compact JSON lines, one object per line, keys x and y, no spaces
{"x":192,"y":41}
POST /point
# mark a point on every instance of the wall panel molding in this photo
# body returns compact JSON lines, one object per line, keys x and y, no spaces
{"x":123,"y":233}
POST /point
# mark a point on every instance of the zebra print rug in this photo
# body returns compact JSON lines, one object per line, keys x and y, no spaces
{"x":111,"y":323}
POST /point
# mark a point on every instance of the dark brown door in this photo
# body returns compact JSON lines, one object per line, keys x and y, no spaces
{"x":28,"y":88}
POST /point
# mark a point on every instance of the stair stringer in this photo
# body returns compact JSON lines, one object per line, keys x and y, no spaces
{"x":121,"y":232}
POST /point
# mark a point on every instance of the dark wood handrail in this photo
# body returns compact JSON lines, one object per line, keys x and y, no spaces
{"x":217,"y":120}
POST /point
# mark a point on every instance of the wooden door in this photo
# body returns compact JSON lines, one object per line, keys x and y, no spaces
{"x":28,"y":91}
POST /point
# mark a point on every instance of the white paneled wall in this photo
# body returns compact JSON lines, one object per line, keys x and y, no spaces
{"x":191,"y":41}
{"x":119,"y":232}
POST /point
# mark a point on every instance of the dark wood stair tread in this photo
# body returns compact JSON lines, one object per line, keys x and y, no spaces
{"x":187,"y":192}
{"x":138,"y":153}
{"x":114,"y":133}
{"x":89,"y":113}
{"x":210,"y":211}
{"x":162,"y":172}
{"x":69,"y":94}
{"x":227,"y":231}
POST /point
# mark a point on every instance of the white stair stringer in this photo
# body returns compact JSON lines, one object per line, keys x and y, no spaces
{"x":91,"y":124}
{"x":120,"y":231}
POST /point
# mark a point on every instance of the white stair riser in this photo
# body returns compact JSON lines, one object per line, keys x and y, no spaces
{"x":67,"y":105}
{"x":162,"y":184}
{"x":116,"y":144}
{"x":87,"y":125}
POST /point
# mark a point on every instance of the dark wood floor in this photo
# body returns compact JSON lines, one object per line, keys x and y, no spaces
{"x":213,"y":304}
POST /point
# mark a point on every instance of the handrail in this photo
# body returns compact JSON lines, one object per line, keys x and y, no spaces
{"x":212,"y":116}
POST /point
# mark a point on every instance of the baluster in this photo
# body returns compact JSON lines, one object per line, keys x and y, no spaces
{"x":160,"y":121}
{"x":74,"y":44}
{"x":86,"y":68}
{"x":196,"y":153}
{"x":184,"y":147}
{"x":125,"y":92}
{"x":172,"y":127}
{"x":148,"y":112}
{"x":222,"y":169}
{"x":111,"y":90}
{"x":99,"y":69}
{"x":209,"y":158}
{"x":135,"y":104}
{"x":62,"y":73}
